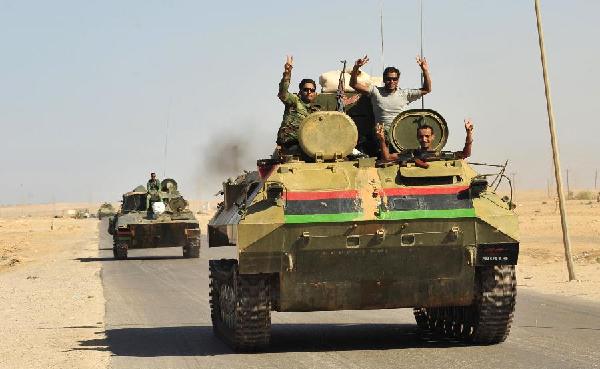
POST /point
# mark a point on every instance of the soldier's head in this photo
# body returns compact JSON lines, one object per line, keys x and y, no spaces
{"x":152,"y":175}
{"x":425,"y":136}
{"x":391,"y":77}
{"x":308,"y":90}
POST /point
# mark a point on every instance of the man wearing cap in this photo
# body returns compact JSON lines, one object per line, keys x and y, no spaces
{"x":297,"y":107}
{"x":389,"y":101}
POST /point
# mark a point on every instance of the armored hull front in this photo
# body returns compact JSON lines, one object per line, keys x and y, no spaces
{"x":357,"y":234}
{"x":152,"y":233}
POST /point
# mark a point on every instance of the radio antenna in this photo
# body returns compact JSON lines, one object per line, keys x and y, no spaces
{"x":167,"y":138}
{"x":422,"y":75}
{"x":381,"y":34}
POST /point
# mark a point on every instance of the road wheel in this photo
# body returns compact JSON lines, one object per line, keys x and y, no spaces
{"x":240,"y":306}
{"x":487,"y":320}
{"x":120,"y":250}
{"x":192,"y":249}
{"x":495,"y":304}
{"x":421,"y":318}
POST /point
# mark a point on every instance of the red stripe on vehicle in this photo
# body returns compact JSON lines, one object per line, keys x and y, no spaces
{"x":321,"y":195}
{"x":399,"y":191}
{"x":265,"y":170}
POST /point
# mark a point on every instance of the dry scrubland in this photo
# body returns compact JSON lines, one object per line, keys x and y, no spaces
{"x":51,"y":296}
{"x":50,"y":299}
{"x":542,"y":265}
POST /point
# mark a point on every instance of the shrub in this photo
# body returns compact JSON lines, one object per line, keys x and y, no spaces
{"x":585,"y":195}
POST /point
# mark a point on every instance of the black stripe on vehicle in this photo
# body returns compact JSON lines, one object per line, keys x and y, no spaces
{"x":323,"y":206}
{"x":429,"y":202}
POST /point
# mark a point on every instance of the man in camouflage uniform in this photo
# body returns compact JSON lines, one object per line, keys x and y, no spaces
{"x":153,"y":183}
{"x":297,"y":107}
{"x":153,"y":188}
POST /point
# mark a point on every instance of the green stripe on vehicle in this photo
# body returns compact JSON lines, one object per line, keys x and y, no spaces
{"x":321,"y":218}
{"x":429,"y":214}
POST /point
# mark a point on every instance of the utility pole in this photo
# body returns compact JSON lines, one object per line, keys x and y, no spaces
{"x":554,"y":142}
{"x":596,"y":180}
{"x":568,"y":186}
{"x":23,"y":200}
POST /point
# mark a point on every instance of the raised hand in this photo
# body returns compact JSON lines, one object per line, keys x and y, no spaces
{"x":468,"y":125}
{"x":422,"y":62}
{"x":360,"y":62}
{"x":379,"y":132}
{"x":289,"y":64}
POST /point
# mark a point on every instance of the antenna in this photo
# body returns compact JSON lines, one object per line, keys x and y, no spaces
{"x":381,"y":34}
{"x":422,"y":75}
{"x":167,"y":139}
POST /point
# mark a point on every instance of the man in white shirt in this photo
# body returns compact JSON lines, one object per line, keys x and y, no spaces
{"x":389,"y":101}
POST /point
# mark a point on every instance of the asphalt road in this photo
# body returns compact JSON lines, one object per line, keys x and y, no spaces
{"x":157,"y":316}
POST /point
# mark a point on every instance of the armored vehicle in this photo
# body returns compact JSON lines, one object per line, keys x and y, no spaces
{"x":149,"y":219}
{"x":106,"y":210}
{"x":332,"y":231}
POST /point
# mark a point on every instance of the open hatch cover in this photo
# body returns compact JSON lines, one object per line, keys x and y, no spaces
{"x":403,"y":133}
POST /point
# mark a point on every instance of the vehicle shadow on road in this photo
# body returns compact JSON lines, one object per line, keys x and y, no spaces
{"x":110,"y":258}
{"x":200,"y":340}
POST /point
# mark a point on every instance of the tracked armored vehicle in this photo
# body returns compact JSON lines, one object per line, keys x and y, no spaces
{"x":330,"y":231}
{"x":106,"y":210}
{"x":150,"y":219}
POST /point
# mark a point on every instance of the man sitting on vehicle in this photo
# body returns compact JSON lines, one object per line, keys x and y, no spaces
{"x":426,"y":137}
{"x":297,"y":107}
{"x":153,"y":188}
{"x":153,"y":183}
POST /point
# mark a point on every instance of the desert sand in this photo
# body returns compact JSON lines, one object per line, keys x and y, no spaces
{"x":50,"y":299}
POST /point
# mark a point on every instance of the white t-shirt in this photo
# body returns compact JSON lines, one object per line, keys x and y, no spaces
{"x":386,"y":106}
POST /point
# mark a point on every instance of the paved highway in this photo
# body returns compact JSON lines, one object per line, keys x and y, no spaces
{"x":158,"y":316}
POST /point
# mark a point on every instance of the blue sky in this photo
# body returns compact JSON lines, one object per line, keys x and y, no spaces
{"x":87,"y":89}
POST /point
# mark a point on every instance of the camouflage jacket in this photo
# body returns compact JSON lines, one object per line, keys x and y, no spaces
{"x":295,"y":111}
{"x":153,"y":185}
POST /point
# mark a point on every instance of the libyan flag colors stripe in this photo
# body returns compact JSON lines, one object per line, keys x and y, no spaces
{"x":401,"y":203}
{"x":388,"y":215}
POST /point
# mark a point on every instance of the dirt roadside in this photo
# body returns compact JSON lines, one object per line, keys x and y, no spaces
{"x":50,"y":300}
{"x":542,"y":265}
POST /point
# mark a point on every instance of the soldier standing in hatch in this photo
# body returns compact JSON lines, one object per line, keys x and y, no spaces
{"x":153,"y":183}
{"x":389,"y":101}
{"x":297,"y":107}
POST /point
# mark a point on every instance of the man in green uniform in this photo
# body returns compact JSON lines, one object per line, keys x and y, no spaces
{"x":153,"y":183}
{"x":297,"y":107}
{"x":153,"y":188}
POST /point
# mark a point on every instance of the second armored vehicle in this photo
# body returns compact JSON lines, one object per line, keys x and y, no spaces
{"x":155,"y":219}
{"x":328,"y":231}
{"x":106,"y":210}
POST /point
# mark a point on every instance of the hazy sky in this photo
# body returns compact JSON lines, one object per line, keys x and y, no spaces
{"x":87,"y":89}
